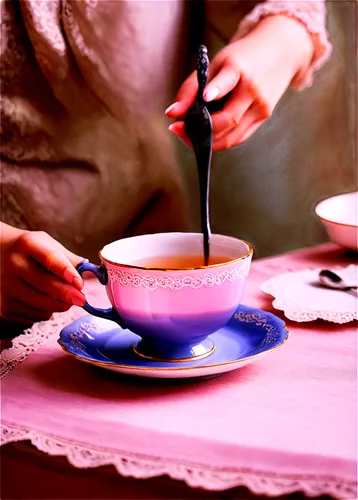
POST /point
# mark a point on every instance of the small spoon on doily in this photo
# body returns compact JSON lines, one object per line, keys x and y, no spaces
{"x":332,"y":280}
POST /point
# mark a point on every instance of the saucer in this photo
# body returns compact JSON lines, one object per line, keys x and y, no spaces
{"x":249,"y":335}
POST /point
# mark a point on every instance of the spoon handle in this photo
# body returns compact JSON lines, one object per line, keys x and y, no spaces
{"x":202,"y":69}
{"x":203,"y":153}
{"x":199,"y":129}
{"x":203,"y":159}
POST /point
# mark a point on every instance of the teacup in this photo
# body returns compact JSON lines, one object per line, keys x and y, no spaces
{"x":173,"y":311}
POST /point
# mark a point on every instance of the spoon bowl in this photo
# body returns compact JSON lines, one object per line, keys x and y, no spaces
{"x":333,"y":280}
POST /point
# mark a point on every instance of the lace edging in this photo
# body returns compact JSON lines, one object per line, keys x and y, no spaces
{"x":302,"y":315}
{"x":276,"y":288}
{"x":33,"y":338}
{"x":259,"y":482}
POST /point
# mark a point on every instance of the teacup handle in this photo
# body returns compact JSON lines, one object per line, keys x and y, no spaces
{"x":101,"y":274}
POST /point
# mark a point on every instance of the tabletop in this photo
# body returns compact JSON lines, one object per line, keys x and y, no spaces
{"x":283,"y":425}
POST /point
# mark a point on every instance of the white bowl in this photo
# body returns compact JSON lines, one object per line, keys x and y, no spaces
{"x":339,"y":216}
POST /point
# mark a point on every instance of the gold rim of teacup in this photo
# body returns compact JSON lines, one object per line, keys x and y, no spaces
{"x":176,"y":360}
{"x":143,"y":268}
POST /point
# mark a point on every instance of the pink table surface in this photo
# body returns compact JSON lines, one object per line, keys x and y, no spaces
{"x":285,"y":423}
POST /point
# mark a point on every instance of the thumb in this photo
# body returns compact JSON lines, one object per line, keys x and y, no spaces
{"x":225,"y":80}
{"x":72,"y":257}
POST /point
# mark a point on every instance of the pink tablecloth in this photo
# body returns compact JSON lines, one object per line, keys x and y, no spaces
{"x":285,"y":423}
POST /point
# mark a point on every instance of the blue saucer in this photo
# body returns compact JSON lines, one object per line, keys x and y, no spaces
{"x":249,"y":335}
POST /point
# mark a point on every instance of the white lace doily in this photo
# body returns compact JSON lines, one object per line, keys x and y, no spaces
{"x":301,"y":297}
{"x":33,"y":338}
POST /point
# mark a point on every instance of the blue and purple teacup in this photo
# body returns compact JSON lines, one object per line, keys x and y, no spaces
{"x":173,"y":310}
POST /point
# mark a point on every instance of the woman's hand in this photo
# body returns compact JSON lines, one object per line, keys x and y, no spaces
{"x":256,"y":69}
{"x":38,"y":276}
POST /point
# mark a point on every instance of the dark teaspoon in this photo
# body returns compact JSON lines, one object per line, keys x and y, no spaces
{"x":199,"y":129}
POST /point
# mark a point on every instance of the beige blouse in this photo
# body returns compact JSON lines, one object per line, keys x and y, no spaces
{"x":85,"y":151}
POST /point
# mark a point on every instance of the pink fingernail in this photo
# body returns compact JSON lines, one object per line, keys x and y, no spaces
{"x":78,"y":283}
{"x":68,"y":275}
{"x":210,"y":94}
{"x":172,"y":128}
{"x":172,"y":106}
{"x":78,"y":299}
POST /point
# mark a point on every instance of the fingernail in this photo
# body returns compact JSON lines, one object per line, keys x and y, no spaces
{"x":211,"y":93}
{"x":68,"y":275}
{"x":172,"y":106}
{"x":78,"y":283}
{"x":172,"y":128}
{"x":78,"y":299}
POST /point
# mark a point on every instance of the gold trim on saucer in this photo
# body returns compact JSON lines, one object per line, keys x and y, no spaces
{"x":179,"y":360}
{"x":176,"y":368}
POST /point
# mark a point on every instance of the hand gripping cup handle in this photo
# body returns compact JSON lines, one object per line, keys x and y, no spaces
{"x":101,"y":274}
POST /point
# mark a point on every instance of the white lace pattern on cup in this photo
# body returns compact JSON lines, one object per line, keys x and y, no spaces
{"x":152,"y":282}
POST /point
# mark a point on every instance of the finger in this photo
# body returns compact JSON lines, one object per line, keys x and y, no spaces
{"x":227,"y":140}
{"x":185,"y":98}
{"x":188,"y":92}
{"x":43,"y":281}
{"x":178,"y":128}
{"x":22,"y":313}
{"x":227,"y":76}
{"x":75,"y":260}
{"x":38,"y":300}
{"x":249,"y":117}
{"x":56,"y":289}
{"x":250,"y":121}
{"x":251,"y":130}
{"x":72,"y":257}
{"x":249,"y":125}
{"x":49,"y":254}
{"x":233,"y":111}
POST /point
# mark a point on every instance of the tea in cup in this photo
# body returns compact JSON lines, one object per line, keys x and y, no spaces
{"x":160,"y":290}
